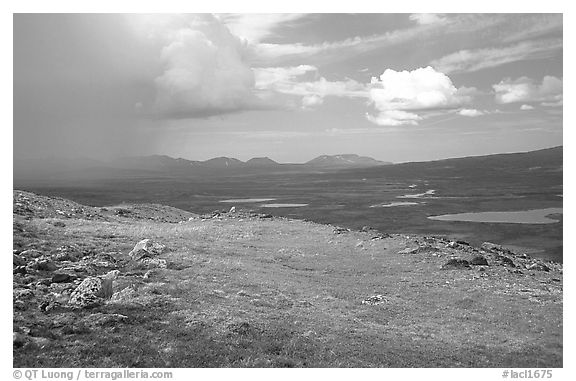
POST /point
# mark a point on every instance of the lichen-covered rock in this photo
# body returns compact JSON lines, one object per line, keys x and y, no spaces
{"x":146,"y":248}
{"x":93,"y":291}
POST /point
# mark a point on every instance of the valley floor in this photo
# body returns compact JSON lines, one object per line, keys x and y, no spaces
{"x":251,"y":290}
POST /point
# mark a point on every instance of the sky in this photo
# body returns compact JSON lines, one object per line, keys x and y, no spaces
{"x":396,"y":87}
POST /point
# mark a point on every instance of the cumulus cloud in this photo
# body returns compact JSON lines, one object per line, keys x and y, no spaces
{"x":526,"y":107}
{"x":525,"y":89}
{"x":311,"y":101}
{"x":474,"y":60}
{"x":402,"y":97}
{"x":427,"y":18}
{"x":471,"y":112}
{"x":205,"y":71}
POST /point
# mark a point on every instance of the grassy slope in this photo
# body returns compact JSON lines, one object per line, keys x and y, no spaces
{"x":277,"y":292}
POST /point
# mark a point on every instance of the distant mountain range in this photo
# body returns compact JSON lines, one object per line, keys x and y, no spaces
{"x":50,"y":170}
{"x":158,"y":162}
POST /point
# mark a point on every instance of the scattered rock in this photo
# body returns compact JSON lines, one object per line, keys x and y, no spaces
{"x":32,"y":253}
{"x":374,"y":300}
{"x":495,"y":248}
{"x":22,"y":294}
{"x":17,"y":261}
{"x":19,"y":270}
{"x":43,"y":265}
{"x":62,"y":278}
{"x":146,"y":248}
{"x":455,"y":264}
{"x":154,"y":263}
{"x":479,"y":260}
{"x":339,"y":230}
{"x":19,"y":339}
{"x":505,"y":261}
{"x":125,"y":294}
{"x":93,"y":291}
{"x":538,"y":266}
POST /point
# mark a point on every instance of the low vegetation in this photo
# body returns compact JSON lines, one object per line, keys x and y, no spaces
{"x":245,"y":289}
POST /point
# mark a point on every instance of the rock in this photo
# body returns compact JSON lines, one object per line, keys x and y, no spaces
{"x":495,"y":248}
{"x":62,"y":278}
{"x":452,"y":244}
{"x":31,"y":253}
{"x":43,"y":265}
{"x":19,"y":339}
{"x":22,"y":294}
{"x":538,"y":266}
{"x":455,"y":264}
{"x":146,"y":248}
{"x":126,"y":294}
{"x":19,"y":270}
{"x":408,"y":250}
{"x":154,"y":263}
{"x":479,"y":260}
{"x":67,"y":253}
{"x":59,"y":224}
{"x":43,"y":282}
{"x":232,"y":210}
{"x":505,"y":261}
{"x":93,"y":291}
{"x":17,"y":261}
{"x":374,"y":300}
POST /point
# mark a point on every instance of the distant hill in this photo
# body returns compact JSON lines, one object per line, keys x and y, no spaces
{"x":345,"y":160}
{"x":549,"y":161}
{"x":262,"y":162}
{"x":222,"y":162}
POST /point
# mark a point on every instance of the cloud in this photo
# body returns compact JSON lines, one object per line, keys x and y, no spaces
{"x":311,"y":101}
{"x":482,"y":29}
{"x":526,"y":107}
{"x":524,"y":89}
{"x":256,"y":27}
{"x":474,"y":60}
{"x":427,"y":18}
{"x":471,"y":112}
{"x":280,"y":78}
{"x":289,"y":81}
{"x":205,"y":71}
{"x":402,"y":97}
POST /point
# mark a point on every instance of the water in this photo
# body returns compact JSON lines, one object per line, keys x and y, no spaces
{"x":391,"y":204}
{"x":419,"y":195}
{"x":535,"y":216}
{"x":282,"y":205}
{"x":248,"y":200}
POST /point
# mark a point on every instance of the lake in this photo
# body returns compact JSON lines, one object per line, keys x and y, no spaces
{"x":248,"y":200}
{"x":282,"y":205}
{"x":535,"y":216}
